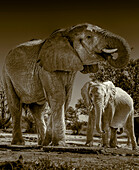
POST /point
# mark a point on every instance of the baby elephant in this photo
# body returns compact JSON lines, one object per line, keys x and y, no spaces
{"x":110,"y":108}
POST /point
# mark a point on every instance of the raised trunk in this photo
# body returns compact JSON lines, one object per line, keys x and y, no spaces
{"x":123,"y":52}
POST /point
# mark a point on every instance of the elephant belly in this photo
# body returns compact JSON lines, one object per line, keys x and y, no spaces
{"x":33,"y":98}
{"x":120,"y":116}
{"x":123,"y":107}
{"x":30,"y":91}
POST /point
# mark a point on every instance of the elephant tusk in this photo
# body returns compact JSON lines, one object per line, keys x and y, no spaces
{"x":109,"y":51}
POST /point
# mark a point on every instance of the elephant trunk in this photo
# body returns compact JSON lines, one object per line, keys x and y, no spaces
{"x":123,"y":51}
{"x":98,"y":111}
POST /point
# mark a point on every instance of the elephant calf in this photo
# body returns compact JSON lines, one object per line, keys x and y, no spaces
{"x":111,"y":108}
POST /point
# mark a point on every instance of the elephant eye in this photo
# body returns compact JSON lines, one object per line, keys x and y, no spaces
{"x":88,"y":36}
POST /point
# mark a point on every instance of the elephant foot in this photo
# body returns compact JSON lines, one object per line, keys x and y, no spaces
{"x":54,"y":143}
{"x":89,"y":143}
{"x":134,"y":146}
{"x":113,"y":139}
{"x":48,"y":140}
{"x":18,"y":142}
{"x":40,"y":142}
{"x":113,"y":144}
{"x":59,"y":143}
{"x":105,"y":146}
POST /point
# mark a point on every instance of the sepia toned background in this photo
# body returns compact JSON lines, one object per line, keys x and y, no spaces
{"x":21,"y":21}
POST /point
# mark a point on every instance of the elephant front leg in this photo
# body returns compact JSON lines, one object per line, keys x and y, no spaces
{"x":38,"y":114}
{"x":113,"y":138}
{"x":105,"y":137}
{"x":105,"y":134}
{"x":58,"y":126}
{"x":90,"y":127}
{"x":55,"y":134}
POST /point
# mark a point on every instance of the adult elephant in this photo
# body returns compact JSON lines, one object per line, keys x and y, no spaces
{"x":43,"y":70}
{"x":111,"y":108}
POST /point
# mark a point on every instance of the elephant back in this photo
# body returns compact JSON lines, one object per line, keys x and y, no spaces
{"x":23,"y":55}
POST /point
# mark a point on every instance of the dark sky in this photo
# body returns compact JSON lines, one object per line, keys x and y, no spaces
{"x":23,"y":20}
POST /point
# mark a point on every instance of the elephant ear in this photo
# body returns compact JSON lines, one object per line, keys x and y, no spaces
{"x":57,"y":53}
{"x":111,"y":90}
{"x":113,"y":93}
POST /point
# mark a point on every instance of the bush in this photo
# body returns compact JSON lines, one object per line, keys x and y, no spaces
{"x":5,"y":115}
{"x":72,"y":120}
{"x":30,"y":123}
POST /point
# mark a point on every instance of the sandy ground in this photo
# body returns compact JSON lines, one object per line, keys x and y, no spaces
{"x":96,"y":158}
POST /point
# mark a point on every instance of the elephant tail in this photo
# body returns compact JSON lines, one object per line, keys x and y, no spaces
{"x":120,"y":131}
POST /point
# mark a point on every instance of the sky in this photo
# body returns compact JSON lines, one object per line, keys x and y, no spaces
{"x":21,"y":21}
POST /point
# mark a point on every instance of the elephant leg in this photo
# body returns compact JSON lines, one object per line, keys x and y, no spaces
{"x":130,"y":130}
{"x":15,"y":108}
{"x":55,"y":134}
{"x":16,"y":112}
{"x":58,"y":125}
{"x":105,"y":137}
{"x":48,"y":136}
{"x":38,"y":114}
{"x":128,"y":138}
{"x":54,"y":84}
{"x":90,"y":127}
{"x":106,"y":119}
{"x":113,"y":138}
{"x":105,"y":132}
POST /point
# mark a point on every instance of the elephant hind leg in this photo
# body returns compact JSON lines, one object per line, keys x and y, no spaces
{"x":113,"y":138}
{"x":15,"y":108}
{"x":38,"y":114}
{"x":48,"y":136}
{"x":130,"y":131}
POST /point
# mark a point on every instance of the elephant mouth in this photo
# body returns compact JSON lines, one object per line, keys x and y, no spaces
{"x":100,"y":57}
{"x":103,"y":55}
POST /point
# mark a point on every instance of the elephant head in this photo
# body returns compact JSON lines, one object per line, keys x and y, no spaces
{"x":81,"y":47}
{"x":101,"y":94}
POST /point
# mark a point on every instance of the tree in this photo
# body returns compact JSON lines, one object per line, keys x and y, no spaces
{"x":5,"y":115}
{"x":80,"y":107}
{"x":72,"y":120}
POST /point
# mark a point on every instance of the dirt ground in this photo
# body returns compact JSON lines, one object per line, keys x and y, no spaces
{"x":77,"y":156}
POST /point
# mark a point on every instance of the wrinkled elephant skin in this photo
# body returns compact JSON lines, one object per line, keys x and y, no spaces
{"x":113,"y":110}
{"x":41,"y":71}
